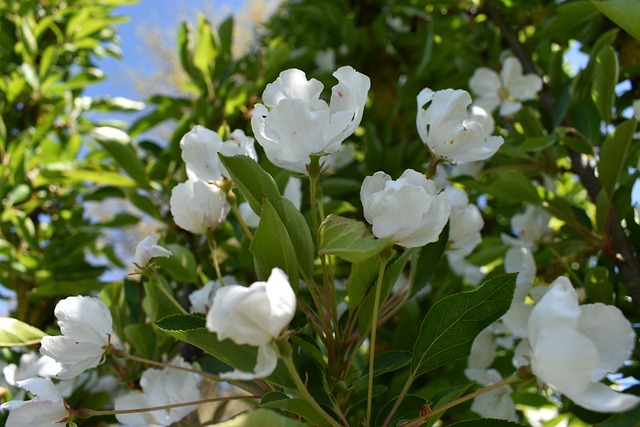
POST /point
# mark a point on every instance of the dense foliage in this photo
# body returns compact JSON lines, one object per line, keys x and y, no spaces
{"x":556,"y":199}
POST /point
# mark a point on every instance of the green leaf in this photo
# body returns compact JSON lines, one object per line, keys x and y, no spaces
{"x":118,"y":144}
{"x":423,"y":263}
{"x":389,"y":362}
{"x":625,"y":13}
{"x":191,"y":329}
{"x":605,"y":78}
{"x":262,"y":418}
{"x":155,"y":303}
{"x":181,"y":266}
{"x":14,"y":332}
{"x":444,"y":397}
{"x":205,"y":52}
{"x":297,"y":406}
{"x":512,"y":185}
{"x":360,"y":279}
{"x":615,"y":154}
{"x":257,"y":185}
{"x":452,"y":324}
{"x":485,"y":422}
{"x":272,"y":247}
{"x":409,"y":409}
{"x":141,"y":336}
{"x":349,"y":239}
{"x":598,"y":286}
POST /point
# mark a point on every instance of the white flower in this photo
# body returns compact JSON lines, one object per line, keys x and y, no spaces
{"x":86,"y":326}
{"x":31,"y":365}
{"x":200,"y":148}
{"x":325,"y":60}
{"x":519,"y":260}
{"x":505,"y":90}
{"x":148,"y":249}
{"x":197,"y":206}
{"x":463,"y":268}
{"x":573,"y":347}
{"x":160,"y":387}
{"x":408,"y":210}
{"x":445,"y":127}
{"x":202,"y":299}
{"x":295,"y":123}
{"x":465,"y":222}
{"x":46,"y":409}
{"x":254,"y":315}
{"x":530,"y":226}
{"x":495,"y":403}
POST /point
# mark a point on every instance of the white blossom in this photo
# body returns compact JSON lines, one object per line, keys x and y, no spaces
{"x":46,"y":409}
{"x":160,"y":387}
{"x":86,"y":326}
{"x":465,"y":222}
{"x":198,"y":206}
{"x":202,"y":299}
{"x":254,"y":315}
{"x":200,"y":148}
{"x":445,"y":127}
{"x":573,"y":347}
{"x":505,"y":90}
{"x":147,"y":249}
{"x":531,"y":227}
{"x":294,"y":123}
{"x":407,"y":210}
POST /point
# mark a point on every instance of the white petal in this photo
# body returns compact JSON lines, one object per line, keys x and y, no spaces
{"x":282,"y":301}
{"x":511,"y":72}
{"x":509,"y":108}
{"x":293,"y":191}
{"x":85,"y":319}
{"x":38,"y":414}
{"x":41,"y":387}
{"x":610,"y":332}
{"x":562,"y":357}
{"x":148,"y":249}
{"x":559,"y":306}
{"x":598,"y":397}
{"x":292,"y":83}
{"x":526,"y":87}
{"x":485,"y":82}
{"x":136,"y":400}
{"x":200,"y":148}
{"x":265,"y":365}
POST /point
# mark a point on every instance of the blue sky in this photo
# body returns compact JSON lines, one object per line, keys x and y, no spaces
{"x":165,"y":14}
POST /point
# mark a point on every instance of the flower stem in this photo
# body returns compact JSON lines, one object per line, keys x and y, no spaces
{"x":304,"y":393}
{"x":236,"y":212}
{"x":86,"y":413}
{"x":374,"y":328}
{"x":419,"y":421}
{"x":213,"y":247}
{"x":154,"y":276}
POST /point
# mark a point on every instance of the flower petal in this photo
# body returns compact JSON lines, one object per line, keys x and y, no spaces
{"x":85,"y":319}
{"x":598,"y":397}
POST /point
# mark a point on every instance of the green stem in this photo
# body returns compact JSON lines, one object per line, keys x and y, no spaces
{"x":245,"y":227}
{"x":86,"y":413}
{"x":213,"y":247}
{"x":304,"y":393}
{"x":419,"y":421}
{"x":401,"y":396}
{"x":154,"y":276}
{"x":374,"y":330}
{"x":122,"y":354}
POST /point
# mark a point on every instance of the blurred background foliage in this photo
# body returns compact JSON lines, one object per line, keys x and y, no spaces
{"x":61,"y":151}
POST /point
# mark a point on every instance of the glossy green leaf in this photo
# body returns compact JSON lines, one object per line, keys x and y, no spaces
{"x":118,"y":144}
{"x":191,"y":329}
{"x":296,"y":405}
{"x":14,"y":332}
{"x":349,"y":239}
{"x":262,"y":418}
{"x":205,"y":52}
{"x":624,"y":13}
{"x":605,"y":79}
{"x":181,"y":266}
{"x":614,"y":155}
{"x":408,"y":409}
{"x":272,"y":247}
{"x":448,"y":330}
{"x":256,"y":184}
{"x":444,"y":397}
{"x":389,"y":362}
{"x":424,"y":261}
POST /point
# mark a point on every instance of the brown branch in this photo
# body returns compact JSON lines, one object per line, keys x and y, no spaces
{"x":619,"y":247}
